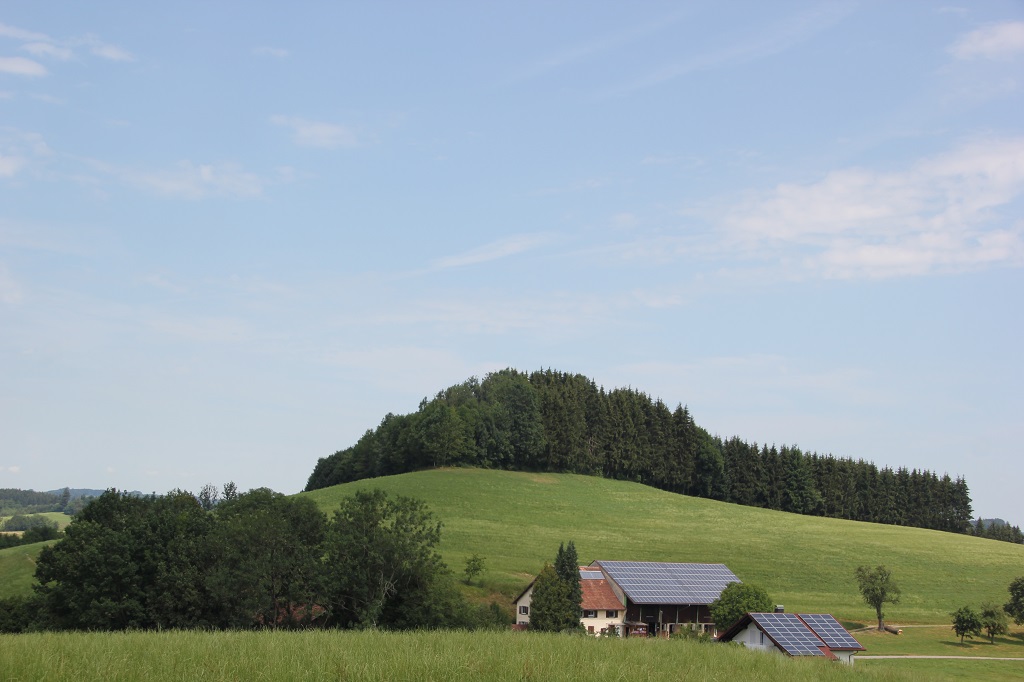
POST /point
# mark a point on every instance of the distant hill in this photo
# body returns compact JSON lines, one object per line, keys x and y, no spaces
{"x":565,"y":423}
{"x":78,"y":492}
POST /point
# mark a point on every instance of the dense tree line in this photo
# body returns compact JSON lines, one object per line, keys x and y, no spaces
{"x":257,"y":560}
{"x":559,"y":422}
{"x":997,"y":529}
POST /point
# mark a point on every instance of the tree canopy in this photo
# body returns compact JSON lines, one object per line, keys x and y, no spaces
{"x":737,"y":599}
{"x":258,"y":559}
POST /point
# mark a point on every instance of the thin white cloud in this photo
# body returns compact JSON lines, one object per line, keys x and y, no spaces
{"x":321,"y":134}
{"x":768,"y":41}
{"x":21,"y":66}
{"x":14,"y":469}
{"x":277,"y":52}
{"x":8,"y":31}
{"x":11,"y":165}
{"x":942,"y":214}
{"x":502,"y":248}
{"x":191,"y":181}
{"x":40,"y":49}
{"x":998,"y":41}
{"x":112,"y":52}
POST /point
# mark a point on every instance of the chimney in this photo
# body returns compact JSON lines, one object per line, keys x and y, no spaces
{"x":779,"y":608}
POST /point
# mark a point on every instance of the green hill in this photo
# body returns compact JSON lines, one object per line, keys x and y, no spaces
{"x":516,"y":520}
{"x":17,"y":568}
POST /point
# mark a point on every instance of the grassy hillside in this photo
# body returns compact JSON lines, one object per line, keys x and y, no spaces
{"x":17,"y":567}
{"x":516,"y":520}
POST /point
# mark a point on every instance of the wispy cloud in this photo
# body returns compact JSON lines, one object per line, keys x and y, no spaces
{"x":942,"y":214}
{"x":277,"y":52}
{"x":768,"y":41}
{"x":18,"y":150}
{"x":588,"y":49}
{"x":8,"y":31}
{"x":191,"y":181}
{"x":42,"y":45}
{"x":48,"y":50}
{"x":307,"y":133}
{"x":998,"y":41}
{"x":503,"y":248}
{"x":21,"y":66}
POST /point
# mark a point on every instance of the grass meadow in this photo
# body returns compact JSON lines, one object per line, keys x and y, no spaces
{"x":318,"y":655}
{"x":516,"y":520}
{"x":17,"y":568}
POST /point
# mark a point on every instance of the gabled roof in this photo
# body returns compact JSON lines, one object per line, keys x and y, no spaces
{"x":598,"y":594}
{"x":794,"y":634}
{"x":653,"y":582}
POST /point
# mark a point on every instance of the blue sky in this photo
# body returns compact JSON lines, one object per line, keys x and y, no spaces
{"x":233,"y":236}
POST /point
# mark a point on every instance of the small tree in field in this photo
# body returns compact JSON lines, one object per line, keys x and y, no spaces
{"x":1015,"y":607}
{"x":737,"y":599}
{"x":994,"y":621}
{"x":966,"y":623}
{"x":877,"y":587}
{"x":474,"y":567}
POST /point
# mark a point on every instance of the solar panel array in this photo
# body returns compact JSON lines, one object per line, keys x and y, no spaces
{"x":829,"y":629}
{"x":790,"y":633}
{"x":646,"y":582}
{"x":591,"y":575}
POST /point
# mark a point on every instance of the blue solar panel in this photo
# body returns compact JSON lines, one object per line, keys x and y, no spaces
{"x":829,"y":629}
{"x":646,"y":582}
{"x":790,"y":633}
{"x":591,"y":575}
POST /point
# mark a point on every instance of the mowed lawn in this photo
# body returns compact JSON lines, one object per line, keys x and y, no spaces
{"x":516,"y":521}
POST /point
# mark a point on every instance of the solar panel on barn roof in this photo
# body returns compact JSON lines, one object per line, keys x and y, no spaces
{"x":790,"y":633}
{"x":668,"y":583}
{"x":829,"y":629}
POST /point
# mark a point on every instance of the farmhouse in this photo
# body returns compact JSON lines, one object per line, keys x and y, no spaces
{"x":643,"y":597}
{"x":794,"y":634}
{"x":661,"y":598}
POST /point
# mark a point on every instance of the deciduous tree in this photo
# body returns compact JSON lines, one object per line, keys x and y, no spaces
{"x":737,"y":599}
{"x":994,"y":621}
{"x":966,"y":622}
{"x":1015,"y":607}
{"x":877,"y":588}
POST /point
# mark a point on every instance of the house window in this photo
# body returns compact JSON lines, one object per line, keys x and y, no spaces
{"x":612,"y":614}
{"x":589,"y":614}
{"x":524,"y":610}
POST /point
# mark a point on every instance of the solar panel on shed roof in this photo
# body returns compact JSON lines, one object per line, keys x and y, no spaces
{"x":649,"y":582}
{"x":591,"y":575}
{"x":829,"y":629}
{"x":790,"y":633}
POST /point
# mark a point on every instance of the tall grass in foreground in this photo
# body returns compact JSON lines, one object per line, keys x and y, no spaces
{"x":326,"y":655}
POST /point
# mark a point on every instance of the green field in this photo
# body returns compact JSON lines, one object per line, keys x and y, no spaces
{"x":332,"y":655}
{"x":17,"y":566}
{"x":516,"y":520}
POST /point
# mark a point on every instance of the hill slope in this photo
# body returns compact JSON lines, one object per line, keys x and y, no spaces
{"x":516,"y":520}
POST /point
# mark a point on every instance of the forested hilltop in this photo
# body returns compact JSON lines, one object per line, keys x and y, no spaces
{"x":559,"y":422}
